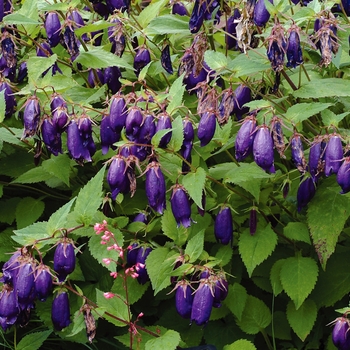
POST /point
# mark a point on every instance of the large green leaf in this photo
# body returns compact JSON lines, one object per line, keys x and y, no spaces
{"x":297,"y":231}
{"x":177,"y":135}
{"x":32,"y":176}
{"x":302,"y":111}
{"x":175,"y":95}
{"x":327,"y":215}
{"x":241,"y":344}
{"x":194,"y":184}
{"x":30,"y":234}
{"x":169,"y":226}
{"x":150,"y":12}
{"x":169,"y":340}
{"x":2,"y":107}
{"x":28,"y":211}
{"x":194,"y":247}
{"x":302,"y":320}
{"x":33,"y":341}
{"x":275,"y":277}
{"x":168,"y":24}
{"x":59,"y":166}
{"x":254,"y":249}
{"x":58,"y":219}
{"x":236,"y":299}
{"x":38,"y":65}
{"x":216,"y":60}
{"x":298,"y":277}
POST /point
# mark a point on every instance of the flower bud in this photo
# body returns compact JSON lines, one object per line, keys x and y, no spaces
{"x":22,"y":72}
{"x":31,"y":116}
{"x":60,"y":119}
{"x":197,"y":16}
{"x":117,"y":112}
{"x":245,"y":138}
{"x":261,"y":15}
{"x":206,"y":128}
{"x":155,"y":187}
{"x":142,"y":58}
{"x":111,"y":78}
{"x":333,"y":155}
{"x":147,"y":130}
{"x":117,"y":176}
{"x":179,"y":9}
{"x":343,"y":176}
{"x":133,"y":123}
{"x":164,"y":123}
{"x":298,"y":153}
{"x":142,"y":255}
{"x":316,"y":161}
{"x":183,"y":299}
{"x":51,"y":137}
{"x":9,"y":309}
{"x":242,"y":96}
{"x":165,"y":59}
{"x":24,"y":285}
{"x":131,"y":256}
{"x":340,"y":333}
{"x":43,"y":282}
{"x":294,"y":53}
{"x":220,"y":290}
{"x":60,"y":311}
{"x":202,"y":303}
{"x":180,"y":206}
{"x":64,"y":259}
{"x":306,"y":191}
{"x":107,"y":134}
{"x":53,"y":28}
{"x":57,"y":101}
{"x":263,"y":149}
{"x":223,"y":227}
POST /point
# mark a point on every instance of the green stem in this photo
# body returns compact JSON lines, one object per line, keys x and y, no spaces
{"x":267,"y":340}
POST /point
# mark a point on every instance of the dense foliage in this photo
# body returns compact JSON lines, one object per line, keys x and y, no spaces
{"x":174,"y":174}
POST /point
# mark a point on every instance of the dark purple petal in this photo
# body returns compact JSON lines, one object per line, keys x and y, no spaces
{"x":107,"y":134}
{"x":51,"y":136}
{"x":261,"y":15}
{"x":343,"y":176}
{"x":340,"y":333}
{"x":24,"y":285}
{"x":117,"y":112}
{"x":197,"y":17}
{"x":223,"y":228}
{"x":131,"y":256}
{"x":142,"y":58}
{"x":333,"y":155}
{"x":155,"y":187}
{"x":245,"y":138}
{"x":96,"y":77}
{"x":147,"y":130}
{"x":117,"y":176}
{"x":60,"y":119}
{"x":53,"y":28}
{"x":294,"y":53}
{"x":180,"y":206}
{"x":43,"y":282}
{"x":10,"y":99}
{"x":164,"y":123}
{"x":206,"y":128}
{"x":316,"y":163}
{"x":242,"y":96}
{"x":133,"y":123}
{"x":263,"y":149}
{"x":8,"y":50}
{"x":183,"y":299}
{"x":9,"y":309}
{"x":75,"y":143}
{"x":202,"y":303}
{"x":64,"y":259}
{"x":142,"y":255}
{"x":31,"y":116}
{"x":231,"y":36}
{"x":60,"y":311}
{"x":57,"y":101}
{"x":22,"y":72}
{"x":298,"y":152}
{"x":121,"y":5}
{"x":179,"y":9}
{"x":111,"y":78}
{"x":165,"y":59}
{"x":306,"y":191}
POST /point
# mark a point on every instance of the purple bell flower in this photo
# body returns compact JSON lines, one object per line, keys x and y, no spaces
{"x":111,"y":78}
{"x":220,"y":290}
{"x":133,"y":123}
{"x":343,"y":176}
{"x":223,"y":227}
{"x":263,"y":149}
{"x":22,"y":73}
{"x":155,"y":187}
{"x":333,"y":155}
{"x":261,"y":16}
{"x":117,"y":112}
{"x":64,"y":259}
{"x":147,"y":130}
{"x":60,"y":119}
{"x":316,"y":158}
{"x":117,"y":176}
{"x":95,"y":77}
{"x":9,"y":309}
{"x":24,"y":285}
{"x":245,"y":138}
{"x":164,"y":123}
{"x":43,"y":282}
{"x":10,"y":268}
{"x":51,"y":136}
{"x":31,"y":116}
{"x":10,"y":99}
{"x":8,"y":50}
{"x":298,"y":152}
{"x":131,"y":256}
{"x":142,"y":255}
{"x":60,"y":311}
{"x":306,"y":191}
{"x":340,"y":333}
{"x":206,"y":128}
{"x":242,"y":96}
{"x":202,"y":303}
{"x":120,"y":5}
{"x":197,"y":16}
{"x":183,"y":299}
{"x":57,"y":101}
{"x":231,"y":36}
{"x":53,"y":28}
{"x":180,"y":206}
{"x":142,"y":58}
{"x":107,"y":134}
{"x":179,"y":9}
{"x":294,"y":53}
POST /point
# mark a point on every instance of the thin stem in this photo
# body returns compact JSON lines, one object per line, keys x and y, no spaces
{"x":267,"y":340}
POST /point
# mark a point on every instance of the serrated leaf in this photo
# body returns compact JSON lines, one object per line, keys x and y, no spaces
{"x":38,"y":65}
{"x":194,"y":184}
{"x":30,"y":234}
{"x":150,"y":12}
{"x":135,"y":290}
{"x":12,"y":136}
{"x":302,"y":111}
{"x":33,"y":341}
{"x":114,"y":306}
{"x":169,"y":226}
{"x":330,"y":118}
{"x":241,"y":344}
{"x":257,"y":248}
{"x":302,"y":320}
{"x":256,"y":316}
{"x":327,"y":215}
{"x":99,"y":251}
{"x":215,"y":60}
{"x":78,"y":324}
{"x":159,"y":265}
{"x":175,"y":94}
{"x":169,"y":340}
{"x":236,"y":299}
{"x":177,"y":136}
{"x":59,"y":166}
{"x":17,"y":18}
{"x":33,"y":176}
{"x":89,"y":199}
{"x":28,"y":211}
{"x":158,"y":136}
{"x":168,"y":24}
{"x":275,"y":277}
{"x":194,"y":246}
{"x":298,"y":277}
{"x":2,"y":105}
{"x":224,"y":255}
{"x":297,"y":231}
{"x":59,"y":218}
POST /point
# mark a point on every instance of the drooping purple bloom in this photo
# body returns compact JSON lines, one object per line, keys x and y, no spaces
{"x":10,"y":268}
{"x":51,"y":136}
{"x":220,"y":290}
{"x":333,"y":155}
{"x":131,"y":256}
{"x":24,"y":285}
{"x":340,"y":333}
{"x":56,"y":101}
{"x":85,"y":130}
{"x":165,"y":59}
{"x":164,"y":123}
{"x":197,"y":17}
{"x":116,"y":37}
{"x":202,"y":303}
{"x":294,"y":53}
{"x":316,"y":158}
{"x":120,"y":5}
{"x":142,"y":255}
{"x":9,"y":309}
{"x":43,"y":282}
{"x":96,"y":77}
{"x":60,"y":119}
{"x":141,"y":217}
{"x":343,"y":176}
{"x":64,"y":259}
{"x":107,"y":134}
{"x":206,"y":128}
{"x":231,"y":34}
{"x":277,"y":135}
{"x":31,"y":116}
{"x":117,"y":176}
{"x":183,"y":299}
{"x":306,"y":191}
{"x":180,"y":206}
{"x":22,"y":72}
{"x":242,"y":96}
{"x":53,"y":28}
{"x":155,"y":187}
{"x":70,"y":42}
{"x":298,"y":152}
{"x":179,"y":9}
{"x":142,"y":58}
{"x":147,"y":130}
{"x":117,"y":112}
{"x":223,"y":227}
{"x":261,"y":16}
{"x":78,"y":22}
{"x":186,"y":153}
{"x":10,"y":99}
{"x":277,"y":47}
{"x":75,"y":144}
{"x":263,"y":149}
{"x":133,"y":123}
{"x":60,"y":311}
{"x":8,"y":50}
{"x":245,"y":138}
{"x":111,"y":78}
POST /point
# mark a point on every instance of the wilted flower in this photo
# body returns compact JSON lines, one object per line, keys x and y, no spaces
{"x":165,"y":59}
{"x":231,"y":34}
{"x":70,"y":42}
{"x":223,"y":227}
{"x":276,"y":47}
{"x":64,"y":259}
{"x":60,"y":311}
{"x":8,"y":50}
{"x":10,"y":100}
{"x":180,"y":206}
{"x":226,"y":106}
{"x":116,"y":37}
{"x":298,"y":152}
{"x":277,"y":135}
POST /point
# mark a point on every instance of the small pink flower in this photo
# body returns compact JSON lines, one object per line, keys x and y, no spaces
{"x":108,"y":295}
{"x":106,"y":261}
{"x":113,"y":274}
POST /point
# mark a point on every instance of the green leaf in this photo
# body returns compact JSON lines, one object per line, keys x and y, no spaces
{"x":169,"y":340}
{"x":324,"y":88}
{"x":33,"y":341}
{"x":216,"y":60}
{"x":38,"y":65}
{"x":302,"y":111}
{"x":303,"y":319}
{"x":135,"y":289}
{"x":168,"y":24}
{"x":150,"y":12}
{"x":256,"y":316}
{"x":158,"y":136}
{"x":257,"y":248}
{"x":58,"y":166}
{"x":175,"y":95}
{"x":241,"y":344}
{"x":177,"y":136}
{"x":97,"y":57}
{"x":89,"y":199}
{"x":169,"y":226}
{"x":12,"y":136}
{"x":298,"y":277}
{"x":30,"y":234}
{"x":297,"y":231}
{"x":224,"y":255}
{"x":159,"y":264}
{"x":17,"y":18}
{"x":32,"y":176}
{"x":2,"y":106}
{"x":329,"y":118}
{"x":275,"y":277}
{"x":28,"y":211}
{"x":93,"y":27}
{"x":236,"y":300}
{"x":194,"y":246}
{"x":194,"y":185}
{"x":58,"y":219}
{"x":114,"y":306}
{"x":327,"y":215}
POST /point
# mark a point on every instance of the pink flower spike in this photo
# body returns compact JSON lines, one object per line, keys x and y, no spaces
{"x":108,"y":295}
{"x":113,"y":274}
{"x":106,"y":261}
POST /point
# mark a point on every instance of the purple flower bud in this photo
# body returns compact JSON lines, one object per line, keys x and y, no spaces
{"x":340,"y":333}
{"x":231,"y":36}
{"x":242,"y":96}
{"x":10,"y":268}
{"x":183,"y":299}
{"x":96,"y":77}
{"x":164,"y":123}
{"x":133,"y":123}
{"x":179,"y":9}
{"x":64,"y":259}
{"x":165,"y":59}
{"x":111,"y":78}
{"x":107,"y":134}
{"x":333,"y":155}
{"x":31,"y":116}
{"x":298,"y":153}
{"x":206,"y":128}
{"x":60,"y":311}
{"x":131,"y":256}
{"x":22,"y":72}
{"x":85,"y":129}
{"x":78,"y":22}
{"x":263,"y":149}
{"x":188,"y":130}
{"x":261,"y":15}
{"x":57,"y":101}
{"x":117,"y":112}
{"x":10,"y":99}
{"x":220,"y":290}
{"x":155,"y":187}
{"x":142,"y":255}
{"x":180,"y":206}
{"x":53,"y":28}
{"x":121,"y":5}
{"x":197,"y":17}
{"x":147,"y":130}
{"x":9,"y":309}
{"x":51,"y":136}
{"x":294,"y":53}
{"x":24,"y":285}
{"x":117,"y":176}
{"x":202,"y":303}
{"x":316,"y":163}
{"x":43,"y":282}
{"x":142,"y":58}
{"x":141,"y":217}
{"x":101,"y":8}
{"x":245,"y":138}
{"x":223,"y":227}
{"x":343,"y":176}
{"x":8,"y":50}
{"x":60,"y":119}
{"x":253,"y":221}
{"x":306,"y":191}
